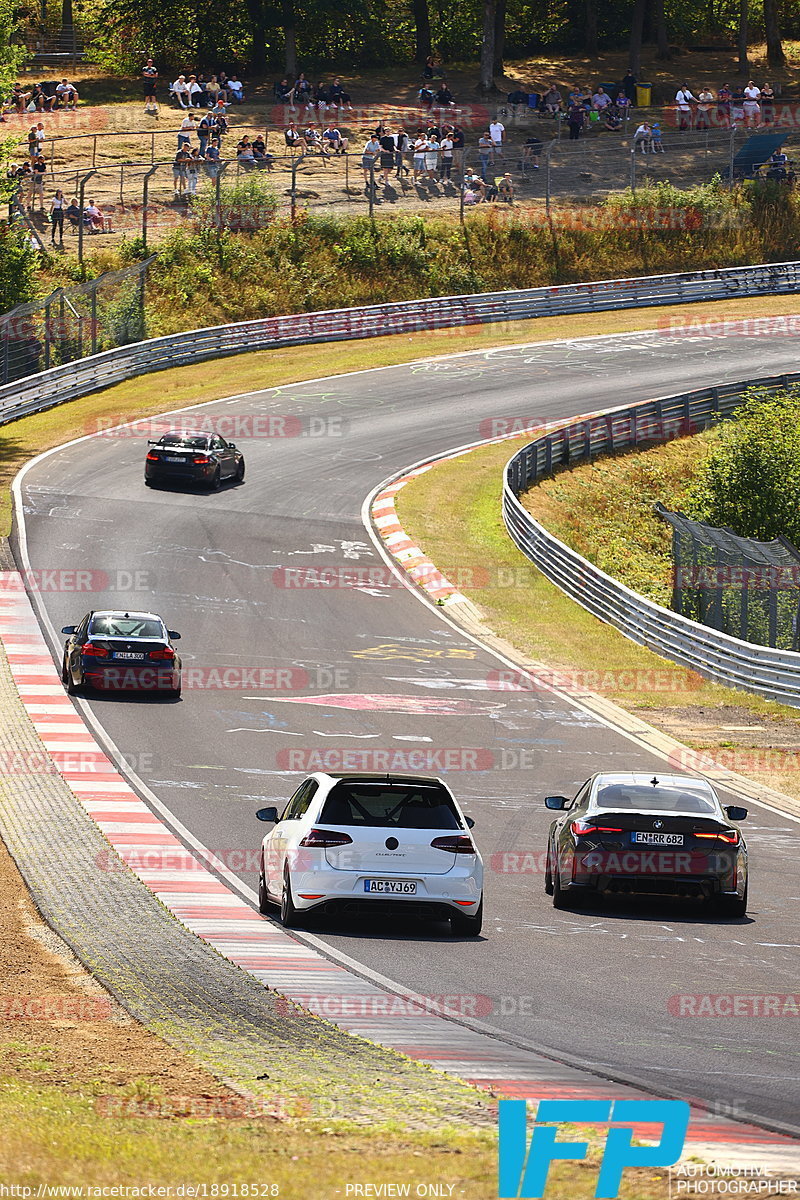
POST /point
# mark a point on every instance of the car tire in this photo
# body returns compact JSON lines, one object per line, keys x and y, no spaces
{"x":732,"y":906}
{"x":67,"y":680}
{"x":548,"y":876}
{"x":263,"y":895}
{"x":239,"y":476}
{"x":149,"y":482}
{"x":290,"y":917}
{"x":216,"y":480}
{"x":463,"y":925}
{"x":563,"y":898}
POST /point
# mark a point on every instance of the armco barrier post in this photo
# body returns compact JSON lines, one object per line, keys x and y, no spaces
{"x":145,"y":203}
{"x":81,"y":192}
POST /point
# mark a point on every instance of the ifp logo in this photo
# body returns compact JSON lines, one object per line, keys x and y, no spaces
{"x":523,"y":1168}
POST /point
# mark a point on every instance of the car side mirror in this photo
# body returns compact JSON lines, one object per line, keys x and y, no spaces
{"x":171,"y":633}
{"x":268,"y":814}
{"x":68,"y":629}
{"x":469,"y":822}
{"x":556,"y":802}
{"x":734,"y":813}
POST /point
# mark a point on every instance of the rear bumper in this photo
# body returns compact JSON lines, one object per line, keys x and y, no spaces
{"x":131,"y":677}
{"x":191,"y":474}
{"x":340,"y":890}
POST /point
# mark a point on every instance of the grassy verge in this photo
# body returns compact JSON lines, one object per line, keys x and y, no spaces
{"x":604,"y":510}
{"x":453,"y":513}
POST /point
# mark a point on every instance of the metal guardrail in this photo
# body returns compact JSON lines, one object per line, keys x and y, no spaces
{"x":60,"y":384}
{"x":769,"y":672}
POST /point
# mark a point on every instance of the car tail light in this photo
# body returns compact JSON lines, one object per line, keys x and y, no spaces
{"x":153,"y":457}
{"x":201,"y":460}
{"x":93,"y":651}
{"x":460,"y":844}
{"x":319,"y":838}
{"x":166,"y":653}
{"x":729,"y":836}
{"x":580,"y":828}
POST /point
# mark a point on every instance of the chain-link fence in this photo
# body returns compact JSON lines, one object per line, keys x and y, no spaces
{"x":740,"y":586}
{"x":73,"y":322}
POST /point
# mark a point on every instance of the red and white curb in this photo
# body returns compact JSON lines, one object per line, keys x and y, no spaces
{"x":411,"y":1025}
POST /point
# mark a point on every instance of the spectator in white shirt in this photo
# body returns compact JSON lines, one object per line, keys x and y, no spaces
{"x":752,"y":108}
{"x":684,"y":100}
{"x":180,"y":90}
{"x":186,"y":130}
{"x":236,"y":89}
{"x":497,"y":133}
{"x":195,"y":92}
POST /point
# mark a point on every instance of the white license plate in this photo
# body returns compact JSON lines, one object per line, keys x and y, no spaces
{"x":126,"y":654}
{"x":174,"y":458}
{"x":396,"y":887}
{"x":658,"y":839}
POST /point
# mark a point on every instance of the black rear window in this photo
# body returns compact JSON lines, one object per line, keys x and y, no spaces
{"x":646,"y":798}
{"x":185,"y":443}
{"x":390,"y":807}
{"x":134,"y":627}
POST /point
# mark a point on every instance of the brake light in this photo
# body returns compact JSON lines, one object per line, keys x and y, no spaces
{"x":580,"y":828}
{"x":460,"y":844}
{"x":320,"y":838}
{"x":166,"y":653}
{"x":201,"y":460}
{"x":93,"y":651}
{"x":151,"y":457}
{"x":731,"y":837}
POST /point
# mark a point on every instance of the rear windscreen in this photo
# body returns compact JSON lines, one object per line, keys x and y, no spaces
{"x":641,"y":798}
{"x":381,"y":806}
{"x":141,"y":627}
{"x":184,"y":443}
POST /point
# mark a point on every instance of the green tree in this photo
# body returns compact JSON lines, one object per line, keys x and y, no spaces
{"x":750,"y":481}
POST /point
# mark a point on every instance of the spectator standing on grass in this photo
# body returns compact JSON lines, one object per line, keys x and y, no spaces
{"x":33,"y":143}
{"x":724,"y":98}
{"x":576,"y":119}
{"x":369,"y":156}
{"x":531,"y":151}
{"x":58,"y":207}
{"x":401,"y":147}
{"x":212,"y":159}
{"x":192,"y":171}
{"x":186,"y":130}
{"x":497,"y":132}
{"x":149,"y":86}
{"x":656,"y":144}
{"x":386,"y":157}
{"x":752,"y":107}
{"x":179,"y":171}
{"x":446,"y":147}
{"x":420,"y":146}
{"x":485,"y":152}
{"x":705,"y":102}
{"x":38,"y":171}
{"x":432,"y":152}
{"x":737,"y":103}
{"x":204,"y":132}
{"x":629,"y":86}
{"x":684,"y":101}
{"x":767,"y":104}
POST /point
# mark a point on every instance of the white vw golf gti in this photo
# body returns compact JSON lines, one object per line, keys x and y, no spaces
{"x":372,"y":843}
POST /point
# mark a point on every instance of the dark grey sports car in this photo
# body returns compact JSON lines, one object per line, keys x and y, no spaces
{"x":647,"y":834}
{"x":201,"y":458}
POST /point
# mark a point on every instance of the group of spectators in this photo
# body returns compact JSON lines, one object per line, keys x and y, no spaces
{"x":319,"y":98}
{"x":42,"y":97}
{"x":193,"y":91}
{"x":29,"y":177}
{"x":752,"y":106}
